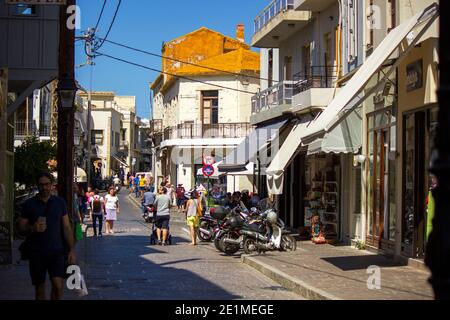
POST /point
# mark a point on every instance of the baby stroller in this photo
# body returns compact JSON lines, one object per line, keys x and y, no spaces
{"x":150,"y":217}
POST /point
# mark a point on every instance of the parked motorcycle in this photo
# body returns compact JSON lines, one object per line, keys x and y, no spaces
{"x":231,"y":239}
{"x":269,"y":234}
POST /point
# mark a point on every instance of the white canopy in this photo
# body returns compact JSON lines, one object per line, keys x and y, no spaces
{"x":351,"y":95}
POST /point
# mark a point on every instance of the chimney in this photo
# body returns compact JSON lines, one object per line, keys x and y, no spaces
{"x":240,"y":32}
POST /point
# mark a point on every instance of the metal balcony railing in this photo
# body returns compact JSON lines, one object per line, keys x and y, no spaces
{"x":315,"y":77}
{"x":29,"y":128}
{"x":220,"y":130}
{"x":271,"y":11}
{"x":282,"y":93}
{"x":274,"y":96}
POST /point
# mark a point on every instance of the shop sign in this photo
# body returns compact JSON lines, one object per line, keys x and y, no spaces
{"x":414,"y":75}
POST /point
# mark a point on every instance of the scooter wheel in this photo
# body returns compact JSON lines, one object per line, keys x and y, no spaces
{"x":288,"y":243}
{"x":202,"y":236}
{"x":250,"y":246}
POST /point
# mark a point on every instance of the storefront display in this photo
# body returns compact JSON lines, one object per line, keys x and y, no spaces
{"x":322,"y":199}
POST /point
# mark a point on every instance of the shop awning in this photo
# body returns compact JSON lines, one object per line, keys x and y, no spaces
{"x":121,"y":161}
{"x":283,"y":156}
{"x":248,"y":149}
{"x":345,"y":138}
{"x":351,"y":95}
{"x":247,"y":170}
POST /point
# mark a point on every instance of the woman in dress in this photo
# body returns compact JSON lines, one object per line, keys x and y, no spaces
{"x":112,"y":210}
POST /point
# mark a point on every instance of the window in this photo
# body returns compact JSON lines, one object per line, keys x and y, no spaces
{"x":210,"y":107}
{"x":25,"y":10}
{"x":391,"y":16}
{"x":97,"y":137}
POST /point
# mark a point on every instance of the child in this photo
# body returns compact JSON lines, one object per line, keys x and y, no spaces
{"x":316,"y":230}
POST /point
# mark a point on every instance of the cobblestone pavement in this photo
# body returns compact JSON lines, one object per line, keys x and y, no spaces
{"x":341,"y":271}
{"x":125,"y":266}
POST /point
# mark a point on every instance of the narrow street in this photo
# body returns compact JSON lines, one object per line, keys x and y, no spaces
{"x":125,"y":266}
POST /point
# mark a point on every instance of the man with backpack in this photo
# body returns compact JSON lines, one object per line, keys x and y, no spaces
{"x":97,"y":205}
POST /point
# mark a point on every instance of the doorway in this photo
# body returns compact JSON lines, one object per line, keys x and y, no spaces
{"x":380,"y":176}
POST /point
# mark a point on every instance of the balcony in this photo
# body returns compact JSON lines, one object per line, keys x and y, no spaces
{"x":24,"y":129}
{"x":312,"y":88}
{"x":275,"y":96}
{"x":208,"y":131}
{"x":314,"y":5}
{"x":277,"y":22}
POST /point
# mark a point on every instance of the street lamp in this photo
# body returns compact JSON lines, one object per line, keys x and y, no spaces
{"x":66,"y":90}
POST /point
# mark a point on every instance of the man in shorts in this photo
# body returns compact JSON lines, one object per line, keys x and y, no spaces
{"x":162,"y":204}
{"x":45,"y":222}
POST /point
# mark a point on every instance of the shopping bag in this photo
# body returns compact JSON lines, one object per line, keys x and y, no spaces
{"x":78,"y":231}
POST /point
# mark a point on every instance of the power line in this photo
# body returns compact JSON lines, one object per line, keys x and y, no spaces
{"x":110,"y":26}
{"x":185,"y":62}
{"x":172,"y":74}
{"x":100,"y":16}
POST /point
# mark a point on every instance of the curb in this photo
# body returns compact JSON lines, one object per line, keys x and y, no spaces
{"x":297,"y":286}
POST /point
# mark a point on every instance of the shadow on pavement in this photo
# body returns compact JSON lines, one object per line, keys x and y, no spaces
{"x":362,"y":262}
{"x":119,"y":267}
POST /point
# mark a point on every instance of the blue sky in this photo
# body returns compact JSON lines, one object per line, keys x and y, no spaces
{"x":145,"y":24}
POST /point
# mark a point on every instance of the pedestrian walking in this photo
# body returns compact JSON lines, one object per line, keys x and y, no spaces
{"x":162,"y":204}
{"x":112,"y":209}
{"x":193,"y":213}
{"x":89,"y":194}
{"x":97,"y":205}
{"x":180,"y":194}
{"x":49,"y":238}
{"x":136,"y":186}
{"x":142,"y":183}
{"x":76,"y":215}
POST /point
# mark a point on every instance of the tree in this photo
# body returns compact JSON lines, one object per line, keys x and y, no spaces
{"x":31,"y":158}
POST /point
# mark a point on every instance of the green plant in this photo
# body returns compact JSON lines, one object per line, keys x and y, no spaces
{"x":360,"y":245}
{"x":30,"y":159}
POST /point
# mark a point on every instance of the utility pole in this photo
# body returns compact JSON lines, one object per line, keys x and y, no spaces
{"x":66,"y":115}
{"x":438,"y":249}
